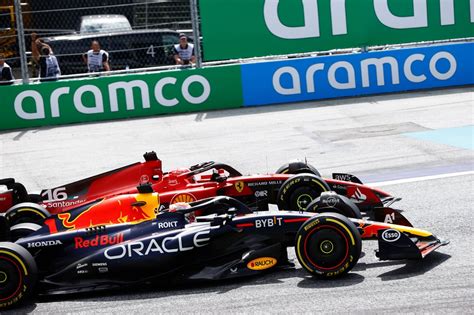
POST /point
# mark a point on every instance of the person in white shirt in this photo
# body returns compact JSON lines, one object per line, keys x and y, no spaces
{"x":49,"y":66}
{"x":96,"y":59}
{"x":6,"y":75}
{"x":184,"y":51}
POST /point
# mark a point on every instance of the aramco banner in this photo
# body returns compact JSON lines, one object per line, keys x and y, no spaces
{"x":248,"y":28}
{"x":358,"y":74}
{"x":108,"y":98}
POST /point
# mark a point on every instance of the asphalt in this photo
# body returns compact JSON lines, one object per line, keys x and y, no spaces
{"x":369,"y":137}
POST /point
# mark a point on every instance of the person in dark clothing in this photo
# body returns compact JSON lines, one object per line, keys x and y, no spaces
{"x":6,"y":75}
{"x":49,"y":66}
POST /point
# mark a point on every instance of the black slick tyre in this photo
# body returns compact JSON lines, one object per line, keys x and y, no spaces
{"x":328,"y":245}
{"x":18,"y":275}
{"x":297,"y":192}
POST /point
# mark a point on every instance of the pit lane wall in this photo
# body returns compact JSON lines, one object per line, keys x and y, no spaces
{"x":118,"y":97}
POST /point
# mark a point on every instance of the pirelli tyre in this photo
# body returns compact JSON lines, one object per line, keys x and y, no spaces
{"x":330,"y":201}
{"x":328,"y":245}
{"x":298,"y":167}
{"x":22,"y":230}
{"x":18,"y":274}
{"x":26,"y":212}
{"x":297,"y":192}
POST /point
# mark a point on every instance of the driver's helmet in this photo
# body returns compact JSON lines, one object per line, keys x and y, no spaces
{"x":190,"y":217}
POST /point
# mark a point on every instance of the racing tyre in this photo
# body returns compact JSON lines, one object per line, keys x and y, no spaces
{"x":22,"y":229}
{"x":328,"y":245}
{"x":18,"y":274}
{"x":26,"y":212}
{"x":332,"y":202}
{"x":297,"y":192}
{"x":298,"y":167}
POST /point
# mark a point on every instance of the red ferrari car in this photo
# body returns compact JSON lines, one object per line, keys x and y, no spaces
{"x":295,"y":186}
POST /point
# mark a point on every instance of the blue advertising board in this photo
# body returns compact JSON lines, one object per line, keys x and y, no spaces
{"x":358,"y":74}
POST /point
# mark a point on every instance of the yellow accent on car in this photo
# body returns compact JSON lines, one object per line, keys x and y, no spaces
{"x":345,"y":228}
{"x":262,"y":263}
{"x":17,"y":258}
{"x":320,"y":185}
{"x":411,"y":230}
{"x":299,"y":254}
{"x":152,"y":202}
{"x":33,"y":210}
{"x":239,"y":186}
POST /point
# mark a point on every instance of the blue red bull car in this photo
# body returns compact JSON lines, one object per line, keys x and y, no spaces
{"x":212,"y":239}
{"x":294,"y":186}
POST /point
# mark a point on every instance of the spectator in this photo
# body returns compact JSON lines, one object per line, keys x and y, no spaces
{"x":97,"y":59}
{"x":184,"y":51}
{"x":6,"y":75}
{"x":49,"y":67}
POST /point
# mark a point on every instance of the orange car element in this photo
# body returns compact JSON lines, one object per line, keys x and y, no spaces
{"x":121,"y":209}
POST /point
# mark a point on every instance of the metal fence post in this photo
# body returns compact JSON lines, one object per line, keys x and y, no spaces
{"x":21,"y":41}
{"x":196,"y":32}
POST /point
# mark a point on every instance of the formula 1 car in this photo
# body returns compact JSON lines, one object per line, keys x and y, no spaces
{"x":227,"y":240}
{"x":287,"y":190}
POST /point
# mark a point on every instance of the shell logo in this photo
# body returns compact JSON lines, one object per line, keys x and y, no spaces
{"x":262,"y":263}
{"x":186,"y":197}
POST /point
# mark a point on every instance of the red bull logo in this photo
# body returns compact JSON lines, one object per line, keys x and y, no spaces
{"x":103,"y":240}
{"x":122,"y":209}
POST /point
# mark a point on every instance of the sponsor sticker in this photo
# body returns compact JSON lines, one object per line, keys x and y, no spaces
{"x":262,"y":263}
{"x":239,"y":186}
{"x":102,"y":240}
{"x":167,"y":224}
{"x":186,"y":197}
{"x":358,"y":196}
{"x":44,"y":243}
{"x":261,"y":193}
{"x":391,"y":235}
{"x":330,"y":201}
{"x":170,"y":244}
{"x":268,"y":223}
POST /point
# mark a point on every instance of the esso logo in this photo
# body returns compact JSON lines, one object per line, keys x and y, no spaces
{"x":391,"y":235}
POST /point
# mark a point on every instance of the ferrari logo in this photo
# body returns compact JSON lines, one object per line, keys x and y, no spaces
{"x":239,"y":186}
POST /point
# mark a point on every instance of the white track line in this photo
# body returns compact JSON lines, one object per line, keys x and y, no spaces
{"x":419,"y":179}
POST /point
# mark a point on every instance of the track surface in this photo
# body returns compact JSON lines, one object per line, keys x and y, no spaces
{"x":364,"y":136}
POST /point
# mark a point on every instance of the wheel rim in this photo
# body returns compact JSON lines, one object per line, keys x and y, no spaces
{"x":328,"y":249}
{"x":302,"y":197}
{"x":12,"y":278}
{"x":3,"y":277}
{"x":303,"y":201}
